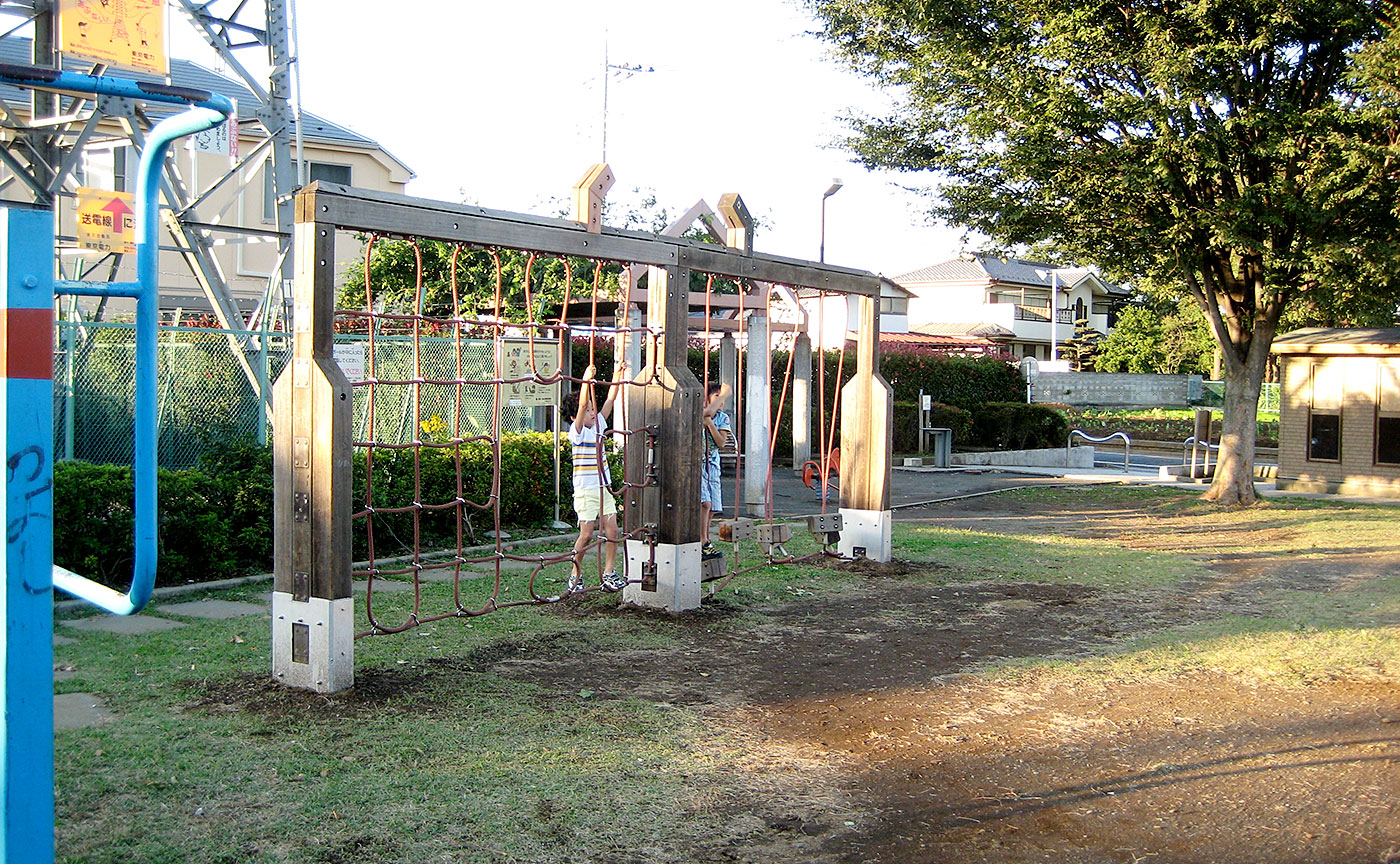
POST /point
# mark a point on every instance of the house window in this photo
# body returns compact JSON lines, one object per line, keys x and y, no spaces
{"x":1325,"y":413}
{"x":106,"y":168}
{"x":269,"y":208}
{"x":122,"y":166}
{"x":1388,"y":413}
{"x":327,"y":171}
{"x":894,"y":305}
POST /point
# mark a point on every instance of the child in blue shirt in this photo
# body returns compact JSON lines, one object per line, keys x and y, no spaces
{"x":718,"y":430}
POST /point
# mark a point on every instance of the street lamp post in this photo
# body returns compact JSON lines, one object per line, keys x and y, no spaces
{"x":832,"y":190}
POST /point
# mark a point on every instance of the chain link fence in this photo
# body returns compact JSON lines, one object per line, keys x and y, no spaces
{"x":1213,"y":396}
{"x":215,"y":386}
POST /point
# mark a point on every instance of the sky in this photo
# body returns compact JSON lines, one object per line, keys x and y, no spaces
{"x":500,"y":104}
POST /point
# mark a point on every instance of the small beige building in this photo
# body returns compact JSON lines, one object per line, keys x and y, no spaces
{"x":1339,"y":413}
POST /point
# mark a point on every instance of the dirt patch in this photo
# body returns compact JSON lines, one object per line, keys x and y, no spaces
{"x":924,"y":763}
{"x":870,"y":742}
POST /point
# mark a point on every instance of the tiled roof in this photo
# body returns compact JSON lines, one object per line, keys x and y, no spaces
{"x":1016,"y":271}
{"x":1339,"y":340}
{"x":927,"y":341}
{"x":964,"y":329}
{"x":958,"y":269}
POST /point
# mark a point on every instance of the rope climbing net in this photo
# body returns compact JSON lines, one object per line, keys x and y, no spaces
{"x":444,"y":371}
{"x":401,"y":420}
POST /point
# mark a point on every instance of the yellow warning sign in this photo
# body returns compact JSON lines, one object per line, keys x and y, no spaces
{"x":106,"y":220}
{"x":128,"y":33}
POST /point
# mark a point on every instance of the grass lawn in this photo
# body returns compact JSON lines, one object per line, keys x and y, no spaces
{"x":438,"y":756}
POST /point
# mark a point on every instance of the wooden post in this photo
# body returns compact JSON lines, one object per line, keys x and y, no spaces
{"x":867,"y":430}
{"x":589,"y":193}
{"x":801,"y":400}
{"x":757,"y":419}
{"x":668,"y":512}
{"x":738,"y":224}
{"x":312,"y":609}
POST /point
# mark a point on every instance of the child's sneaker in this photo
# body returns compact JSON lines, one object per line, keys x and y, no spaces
{"x":614,"y":581}
{"x":575,"y":583}
{"x":709,"y":551}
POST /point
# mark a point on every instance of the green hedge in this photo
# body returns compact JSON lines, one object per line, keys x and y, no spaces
{"x":527,"y":491}
{"x":215,"y":520}
{"x":959,"y":387}
{"x":1159,"y":425}
{"x":1018,"y":426}
{"x":906,"y":424}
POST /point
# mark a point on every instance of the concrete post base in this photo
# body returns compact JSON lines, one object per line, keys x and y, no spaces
{"x":866,"y":534}
{"x":675,"y":585}
{"x":313,"y":642}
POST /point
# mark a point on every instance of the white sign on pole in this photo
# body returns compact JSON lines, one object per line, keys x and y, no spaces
{"x":222,"y":140}
{"x":350,"y":357}
{"x":515,"y":364}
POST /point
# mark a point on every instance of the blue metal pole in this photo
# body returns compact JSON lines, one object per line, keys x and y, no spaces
{"x":26,"y":324}
{"x":26,"y":416}
{"x":146,"y":290}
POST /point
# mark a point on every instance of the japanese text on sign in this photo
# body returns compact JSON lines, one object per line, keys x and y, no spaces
{"x":515,"y":365}
{"x":106,"y":220}
{"x":129,"y":33}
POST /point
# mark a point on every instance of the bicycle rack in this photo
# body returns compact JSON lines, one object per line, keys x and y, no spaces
{"x":1193,"y":444}
{"x":1127,"y":444}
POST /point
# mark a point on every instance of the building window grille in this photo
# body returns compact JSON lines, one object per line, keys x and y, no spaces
{"x":1388,"y":413}
{"x":1325,"y":413}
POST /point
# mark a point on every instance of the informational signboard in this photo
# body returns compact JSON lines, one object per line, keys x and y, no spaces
{"x":350,"y":357}
{"x":514,"y":364}
{"x":128,"y":33}
{"x":222,"y":140}
{"x":106,"y":220}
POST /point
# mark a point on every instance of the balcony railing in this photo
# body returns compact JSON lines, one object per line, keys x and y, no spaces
{"x":1042,"y":313}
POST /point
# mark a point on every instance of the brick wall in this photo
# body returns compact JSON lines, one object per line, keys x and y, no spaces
{"x":1114,"y":389}
{"x":1356,"y":471}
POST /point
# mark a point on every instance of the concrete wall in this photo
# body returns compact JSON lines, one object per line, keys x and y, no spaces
{"x":1079,"y":457}
{"x":1115,"y":389}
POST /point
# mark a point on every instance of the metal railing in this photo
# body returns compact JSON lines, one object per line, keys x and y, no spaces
{"x":1195,"y":446}
{"x":1127,"y":444}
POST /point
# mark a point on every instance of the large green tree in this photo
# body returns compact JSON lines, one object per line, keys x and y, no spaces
{"x":1242,"y":149}
{"x":1162,"y":337}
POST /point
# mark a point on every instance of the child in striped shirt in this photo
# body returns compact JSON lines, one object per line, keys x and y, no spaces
{"x":593,"y":499}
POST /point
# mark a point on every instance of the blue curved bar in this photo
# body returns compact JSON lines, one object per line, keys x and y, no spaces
{"x":206,"y":110}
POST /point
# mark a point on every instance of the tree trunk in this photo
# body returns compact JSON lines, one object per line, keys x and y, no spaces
{"x":1239,"y":428}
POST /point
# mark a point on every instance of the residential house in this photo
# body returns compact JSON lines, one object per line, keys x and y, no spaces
{"x":234,"y":193}
{"x":832,"y":320}
{"x":1339,"y":410}
{"x":1006,"y":301}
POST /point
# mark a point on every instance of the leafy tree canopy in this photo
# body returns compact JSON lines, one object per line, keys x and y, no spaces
{"x":1165,"y":337}
{"x":1242,"y":149}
